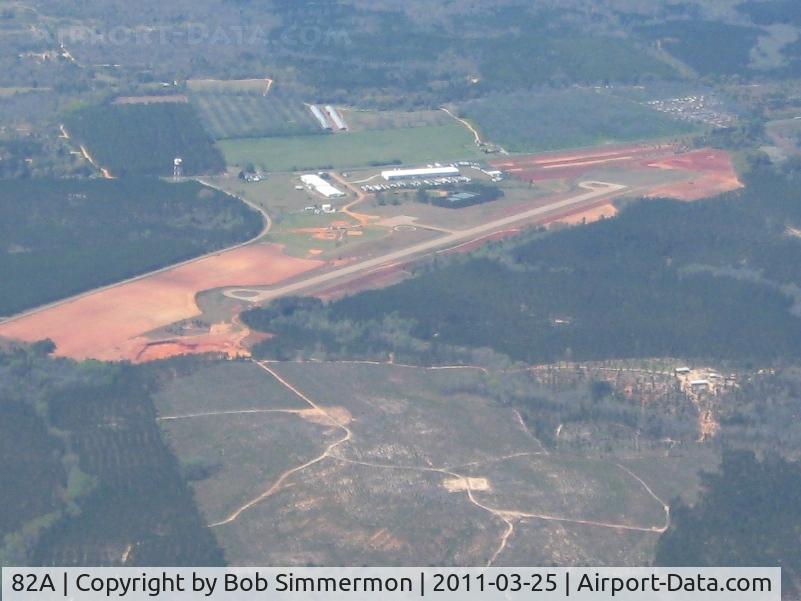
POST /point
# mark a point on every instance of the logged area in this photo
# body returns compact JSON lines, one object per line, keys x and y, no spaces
{"x":93,"y":233}
{"x":394,"y":465}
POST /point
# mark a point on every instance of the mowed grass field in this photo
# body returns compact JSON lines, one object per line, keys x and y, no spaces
{"x":353,"y":149}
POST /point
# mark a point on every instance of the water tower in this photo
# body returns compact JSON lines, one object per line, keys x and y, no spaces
{"x":177,"y":167}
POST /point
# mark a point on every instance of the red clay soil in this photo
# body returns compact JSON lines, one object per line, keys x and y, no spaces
{"x":589,"y":214}
{"x":714,"y":169}
{"x":225,"y":339}
{"x":547,"y":166}
{"x":380,"y":278}
{"x":110,"y":324}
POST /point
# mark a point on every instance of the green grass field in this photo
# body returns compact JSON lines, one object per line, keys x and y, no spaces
{"x":552,"y":120}
{"x":353,"y":149}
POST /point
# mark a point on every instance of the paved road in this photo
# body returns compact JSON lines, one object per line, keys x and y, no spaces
{"x":595,"y":190}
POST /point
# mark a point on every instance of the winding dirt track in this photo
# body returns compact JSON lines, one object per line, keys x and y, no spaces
{"x":507,"y":516}
{"x":277,"y":484}
{"x":467,"y":124}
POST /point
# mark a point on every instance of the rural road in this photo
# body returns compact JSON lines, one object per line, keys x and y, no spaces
{"x":596,"y":190}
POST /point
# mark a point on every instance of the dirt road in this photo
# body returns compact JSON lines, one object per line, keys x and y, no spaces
{"x":596,"y":190}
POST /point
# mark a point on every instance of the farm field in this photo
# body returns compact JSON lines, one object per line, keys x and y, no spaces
{"x":362,"y":120}
{"x":353,"y":149}
{"x":376,"y":470}
{"x":227,"y":115}
{"x":230,"y":86}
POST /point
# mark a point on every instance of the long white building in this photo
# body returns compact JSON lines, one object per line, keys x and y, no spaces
{"x":420,"y":173}
{"x":339,"y":122}
{"x":321,"y":118}
{"x":321,"y":186}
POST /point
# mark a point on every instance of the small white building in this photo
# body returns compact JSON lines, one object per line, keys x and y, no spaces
{"x":397,"y":174}
{"x":319,"y":185}
{"x":698,"y":385}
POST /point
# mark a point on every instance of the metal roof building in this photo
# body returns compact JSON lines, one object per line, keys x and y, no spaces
{"x":418,"y":173}
{"x":339,"y":122}
{"x":321,"y":186}
{"x":321,"y":118}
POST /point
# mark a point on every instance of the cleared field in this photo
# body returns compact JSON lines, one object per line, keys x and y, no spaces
{"x":111,"y":324}
{"x":254,"y":115}
{"x":715,"y":175}
{"x":324,"y":243}
{"x":245,"y":451}
{"x":378,"y":473}
{"x":228,"y":386}
{"x":353,"y":149}
{"x":230,"y":86}
{"x":363,"y":120}
{"x":537,"y":543}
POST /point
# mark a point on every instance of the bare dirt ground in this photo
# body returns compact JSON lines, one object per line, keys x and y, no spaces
{"x":714,"y":169}
{"x":111,"y":324}
{"x":588,"y":215}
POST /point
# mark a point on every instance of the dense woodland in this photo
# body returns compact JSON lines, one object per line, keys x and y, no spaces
{"x":144,"y":139}
{"x":61,"y":237}
{"x":91,"y":476}
{"x":749,"y":515}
